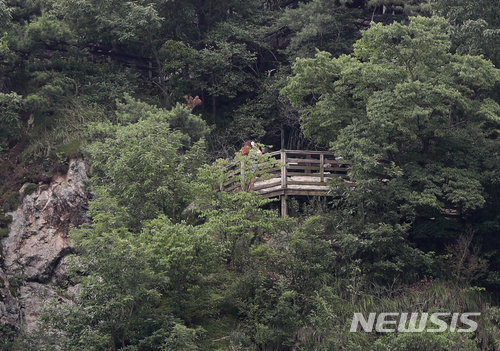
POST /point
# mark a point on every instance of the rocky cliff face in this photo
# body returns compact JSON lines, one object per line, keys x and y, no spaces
{"x":34,"y":253}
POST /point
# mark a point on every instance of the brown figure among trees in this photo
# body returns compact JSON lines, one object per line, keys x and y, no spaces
{"x":251,"y":150}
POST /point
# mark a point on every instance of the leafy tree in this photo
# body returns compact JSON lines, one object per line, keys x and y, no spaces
{"x":412,"y":107}
{"x":408,"y":112}
{"x":123,"y":280}
{"x":236,"y":218}
{"x":5,"y":15}
{"x":119,"y":294}
{"x":181,"y":338}
{"x":322,"y":25}
{"x":10,"y":106}
{"x":222,"y":65}
{"x":62,"y":90}
{"x":144,"y":164}
{"x":475,"y":28}
{"x":182,"y":253}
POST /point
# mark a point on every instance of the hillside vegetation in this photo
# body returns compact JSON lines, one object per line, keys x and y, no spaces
{"x":158,"y":96}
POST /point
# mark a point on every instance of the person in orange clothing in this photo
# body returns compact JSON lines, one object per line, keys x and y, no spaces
{"x":250,"y":149}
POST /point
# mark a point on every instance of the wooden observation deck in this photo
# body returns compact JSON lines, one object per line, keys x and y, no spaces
{"x":296,"y":172}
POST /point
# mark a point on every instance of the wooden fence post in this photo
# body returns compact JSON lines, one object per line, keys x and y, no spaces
{"x":283,"y":183}
{"x":283,"y":169}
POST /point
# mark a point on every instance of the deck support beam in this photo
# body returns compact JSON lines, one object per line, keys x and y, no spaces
{"x":321,"y":168}
{"x":283,"y":183}
{"x":284,"y":209}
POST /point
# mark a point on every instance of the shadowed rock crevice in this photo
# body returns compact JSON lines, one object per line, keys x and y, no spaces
{"x":50,"y":271}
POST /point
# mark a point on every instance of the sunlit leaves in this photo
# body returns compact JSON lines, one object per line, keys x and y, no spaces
{"x":145,"y":164}
{"x":399,"y":92}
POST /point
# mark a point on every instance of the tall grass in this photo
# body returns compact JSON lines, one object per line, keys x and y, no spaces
{"x":64,"y":126}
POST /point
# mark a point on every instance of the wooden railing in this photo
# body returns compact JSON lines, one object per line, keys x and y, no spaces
{"x":294,"y":172}
{"x":290,"y":173}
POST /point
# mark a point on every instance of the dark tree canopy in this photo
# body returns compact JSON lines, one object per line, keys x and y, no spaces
{"x":157,"y":97}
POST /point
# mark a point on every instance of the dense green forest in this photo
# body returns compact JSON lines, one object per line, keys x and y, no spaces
{"x":158,"y":97}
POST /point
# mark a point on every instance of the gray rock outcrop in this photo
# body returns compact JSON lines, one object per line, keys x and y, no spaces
{"x":34,"y":252}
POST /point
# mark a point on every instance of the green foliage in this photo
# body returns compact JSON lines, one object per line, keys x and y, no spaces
{"x":222,"y":62}
{"x":118,"y":21}
{"x":118,"y":298}
{"x":305,"y":257}
{"x":413,"y":107}
{"x":409,"y":112}
{"x":4,"y":13}
{"x":239,"y":223}
{"x":475,"y":25}
{"x":405,"y":83}
{"x":30,"y":189}
{"x":181,"y":338}
{"x":319,"y":24}
{"x":10,"y":106}
{"x":424,"y":341}
{"x":328,"y":323}
{"x":123,"y":277}
{"x":7,"y":337}
{"x":144,"y":164}
{"x":4,"y":232}
{"x":12,"y":202}
{"x":183,"y":254}
{"x":70,"y":149}
{"x":178,"y":118}
{"x":47,"y":30}
{"x":237,"y":220}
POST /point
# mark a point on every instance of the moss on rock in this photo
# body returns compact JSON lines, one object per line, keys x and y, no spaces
{"x":30,"y":189}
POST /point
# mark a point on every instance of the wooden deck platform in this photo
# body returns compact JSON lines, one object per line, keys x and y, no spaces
{"x":296,"y":172}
